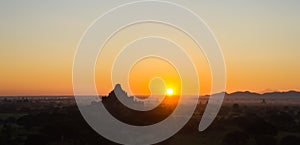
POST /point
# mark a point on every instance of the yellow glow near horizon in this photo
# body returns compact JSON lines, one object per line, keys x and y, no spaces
{"x":170,"y":91}
{"x":261,"y":55}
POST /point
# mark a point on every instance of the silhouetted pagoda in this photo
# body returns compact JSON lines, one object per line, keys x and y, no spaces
{"x":112,"y":101}
{"x":134,"y":116}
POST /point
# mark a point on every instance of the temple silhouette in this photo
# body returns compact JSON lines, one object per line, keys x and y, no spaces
{"x":131,"y":116}
{"x":112,"y":101}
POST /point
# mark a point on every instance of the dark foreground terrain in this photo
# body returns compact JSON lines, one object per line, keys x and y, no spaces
{"x":57,"y":121}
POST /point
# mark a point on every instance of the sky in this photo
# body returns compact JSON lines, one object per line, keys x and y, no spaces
{"x":38,"y":41}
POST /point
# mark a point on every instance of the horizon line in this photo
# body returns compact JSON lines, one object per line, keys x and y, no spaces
{"x":101,"y":95}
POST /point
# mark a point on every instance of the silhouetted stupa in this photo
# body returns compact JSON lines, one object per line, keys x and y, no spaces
{"x":112,"y":99}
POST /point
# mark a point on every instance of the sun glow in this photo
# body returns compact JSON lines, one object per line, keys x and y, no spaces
{"x":170,"y":91}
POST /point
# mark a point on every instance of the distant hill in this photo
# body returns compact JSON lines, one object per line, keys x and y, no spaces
{"x":243,"y":94}
{"x":270,"y":94}
{"x":282,"y":94}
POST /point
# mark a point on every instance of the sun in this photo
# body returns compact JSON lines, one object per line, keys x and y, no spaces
{"x":170,"y":91}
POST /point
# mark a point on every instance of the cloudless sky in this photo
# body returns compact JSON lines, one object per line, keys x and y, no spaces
{"x":38,"y":39}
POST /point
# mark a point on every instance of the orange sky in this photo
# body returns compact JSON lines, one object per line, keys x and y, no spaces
{"x":260,"y":44}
